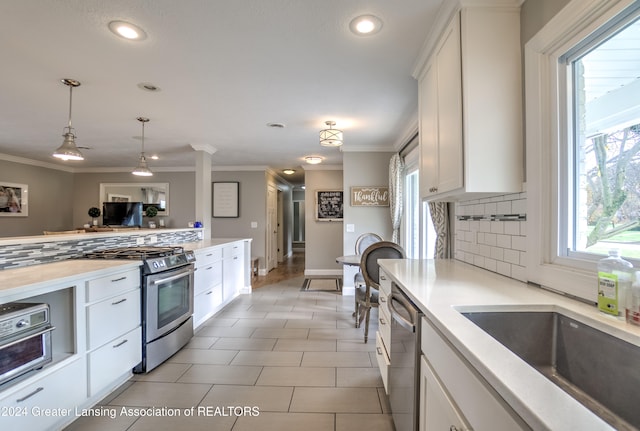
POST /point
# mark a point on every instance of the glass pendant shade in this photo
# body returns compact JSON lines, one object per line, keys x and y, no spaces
{"x":330,"y":137}
{"x":68,"y":150}
{"x":142,"y":169}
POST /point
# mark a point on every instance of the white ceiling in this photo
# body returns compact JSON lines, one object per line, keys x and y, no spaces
{"x":225,"y":69}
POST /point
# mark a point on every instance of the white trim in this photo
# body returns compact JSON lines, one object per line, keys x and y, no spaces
{"x":546,"y":131}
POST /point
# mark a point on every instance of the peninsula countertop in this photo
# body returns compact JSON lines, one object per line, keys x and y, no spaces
{"x":444,"y":288}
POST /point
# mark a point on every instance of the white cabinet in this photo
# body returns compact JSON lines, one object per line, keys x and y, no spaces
{"x":437,"y":410}
{"x":470,"y":100}
{"x":114,"y":335}
{"x":232,"y":270}
{"x":452,"y":394}
{"x":383,"y":334}
{"x":47,"y":401}
{"x":208,"y":284}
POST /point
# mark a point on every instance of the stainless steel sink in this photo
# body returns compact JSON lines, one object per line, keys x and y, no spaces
{"x":599,"y":370}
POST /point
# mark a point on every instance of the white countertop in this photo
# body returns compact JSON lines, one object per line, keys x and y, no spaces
{"x":31,"y":280}
{"x":441,"y":287}
{"x":211,"y":242}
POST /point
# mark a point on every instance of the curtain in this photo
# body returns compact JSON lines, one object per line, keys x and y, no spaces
{"x":396,"y":177}
{"x":440,"y":217}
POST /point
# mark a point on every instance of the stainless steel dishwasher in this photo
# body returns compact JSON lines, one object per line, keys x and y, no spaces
{"x":404,"y":370}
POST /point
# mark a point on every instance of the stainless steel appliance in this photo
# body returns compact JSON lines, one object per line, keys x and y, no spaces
{"x":25,"y":339}
{"x":167,"y":299}
{"x":404,"y":369}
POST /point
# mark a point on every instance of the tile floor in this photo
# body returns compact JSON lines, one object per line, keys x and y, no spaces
{"x":278,"y":359}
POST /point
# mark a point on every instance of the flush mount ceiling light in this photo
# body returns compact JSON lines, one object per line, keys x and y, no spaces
{"x":289,"y":171}
{"x":127,"y":30}
{"x":142,"y":170}
{"x":68,"y":150}
{"x":313,"y":160}
{"x":365,"y":25}
{"x":330,"y":137}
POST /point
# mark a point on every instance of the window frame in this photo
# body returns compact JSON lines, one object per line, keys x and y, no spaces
{"x":549,"y":130}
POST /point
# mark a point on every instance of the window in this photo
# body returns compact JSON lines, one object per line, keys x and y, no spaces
{"x":417,"y":230}
{"x":582,"y":91}
{"x":605,"y":88}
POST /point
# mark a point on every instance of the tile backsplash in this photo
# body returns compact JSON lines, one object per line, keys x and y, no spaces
{"x":51,"y":250}
{"x":491,"y":233}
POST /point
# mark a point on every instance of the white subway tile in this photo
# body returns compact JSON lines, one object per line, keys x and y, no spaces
{"x":490,"y":239}
{"x":503,"y":268}
{"x":512,"y":227}
{"x":497,"y":253}
{"x":504,"y":208}
{"x":474,"y":225}
{"x":519,"y":206}
{"x":478,"y":261}
{"x":470,"y":237}
{"x":484,"y":250}
{"x":490,"y":208}
{"x":497,"y":227}
{"x":519,"y":243}
{"x":512,"y":256}
{"x":462,"y":225}
{"x":503,"y":241}
{"x":485,"y":226}
{"x":490,"y":264}
{"x":519,"y":272}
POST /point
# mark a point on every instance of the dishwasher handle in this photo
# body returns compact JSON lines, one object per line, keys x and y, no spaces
{"x":397,"y":301}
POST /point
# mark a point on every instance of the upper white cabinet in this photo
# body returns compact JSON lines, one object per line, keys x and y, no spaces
{"x":470,"y":100}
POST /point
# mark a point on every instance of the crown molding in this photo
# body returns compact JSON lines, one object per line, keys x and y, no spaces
{"x":204,"y":147}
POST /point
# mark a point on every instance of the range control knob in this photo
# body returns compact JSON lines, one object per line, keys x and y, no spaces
{"x":22,"y":323}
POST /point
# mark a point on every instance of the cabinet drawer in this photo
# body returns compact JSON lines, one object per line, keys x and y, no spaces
{"x":208,"y":256}
{"x":232,"y":249}
{"x":113,"y":284}
{"x":383,"y":361}
{"x":109,"y":319}
{"x":207,"y":276}
{"x":384,"y":326}
{"x":385,"y":284}
{"x":61,"y":389}
{"x":113,"y":360}
{"x":205,"y":303}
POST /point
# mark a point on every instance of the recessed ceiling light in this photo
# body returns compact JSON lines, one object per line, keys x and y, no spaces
{"x":155,"y":157}
{"x":289,"y":171}
{"x":127,"y":30}
{"x":365,"y":25}
{"x":313,"y":160}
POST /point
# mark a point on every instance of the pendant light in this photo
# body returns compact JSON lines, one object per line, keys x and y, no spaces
{"x":330,"y":137}
{"x":68,"y":150}
{"x":142,"y":170}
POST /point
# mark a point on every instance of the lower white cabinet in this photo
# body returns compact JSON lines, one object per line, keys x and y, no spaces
{"x":113,"y":360}
{"x":48,"y":401}
{"x":452,"y":394}
{"x":383,"y":334}
{"x":437,"y":410}
{"x":232,"y":270}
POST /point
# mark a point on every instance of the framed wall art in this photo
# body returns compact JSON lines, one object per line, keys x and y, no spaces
{"x":14,"y":199}
{"x":369,"y":196}
{"x":225,"y":199}
{"x":329,"y":205}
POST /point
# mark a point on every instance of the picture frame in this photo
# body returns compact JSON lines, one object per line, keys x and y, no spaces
{"x":14,"y":199}
{"x":329,"y":205}
{"x":114,"y":197}
{"x":369,"y":196}
{"x":225,"y":199}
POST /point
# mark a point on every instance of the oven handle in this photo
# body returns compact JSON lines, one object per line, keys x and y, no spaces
{"x":173,"y":277}
{"x":35,"y":334}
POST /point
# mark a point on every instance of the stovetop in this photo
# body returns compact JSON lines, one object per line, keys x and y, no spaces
{"x":135,"y":253}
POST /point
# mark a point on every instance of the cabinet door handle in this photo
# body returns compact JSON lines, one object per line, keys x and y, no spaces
{"x":382,"y":277}
{"x":209,"y":292}
{"x":115,"y":346}
{"x":379,"y":350}
{"x":383,"y":299}
{"x":382,"y":321}
{"x":207,"y":269}
{"x":119,"y":279}
{"x":26,"y":397}
{"x":119,"y":302}
{"x":453,"y":428}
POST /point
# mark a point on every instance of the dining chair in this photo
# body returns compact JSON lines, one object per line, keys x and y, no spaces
{"x":362,"y":242}
{"x":366,"y":296}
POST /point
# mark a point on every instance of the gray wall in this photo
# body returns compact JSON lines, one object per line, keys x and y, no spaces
{"x":323,"y":238}
{"x":534,"y":14}
{"x":50,"y":199}
{"x":253,"y":207}
{"x":365,"y":169}
{"x":86,"y":194}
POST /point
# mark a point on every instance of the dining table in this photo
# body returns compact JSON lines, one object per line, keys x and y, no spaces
{"x":349,"y":259}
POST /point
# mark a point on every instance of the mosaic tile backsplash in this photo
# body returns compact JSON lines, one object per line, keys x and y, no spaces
{"x":491,"y":233}
{"x":18,"y":255}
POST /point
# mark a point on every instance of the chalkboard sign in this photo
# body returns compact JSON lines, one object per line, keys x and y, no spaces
{"x":329,"y":205}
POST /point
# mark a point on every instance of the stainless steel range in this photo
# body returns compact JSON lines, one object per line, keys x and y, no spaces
{"x":167,"y":299}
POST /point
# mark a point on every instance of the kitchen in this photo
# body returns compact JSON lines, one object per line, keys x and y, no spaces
{"x":533,"y":17}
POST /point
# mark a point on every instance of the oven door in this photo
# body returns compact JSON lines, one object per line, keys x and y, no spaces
{"x":29,"y":352}
{"x":168,"y":301}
